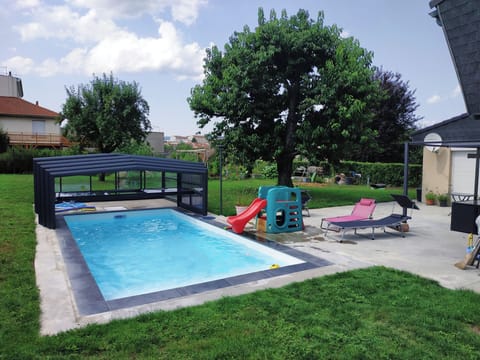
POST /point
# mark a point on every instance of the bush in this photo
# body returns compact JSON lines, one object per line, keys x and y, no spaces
{"x":270,"y":171}
{"x":385,"y":173}
{"x":136,"y":148}
{"x":20,"y":160}
{"x":4,"y":141}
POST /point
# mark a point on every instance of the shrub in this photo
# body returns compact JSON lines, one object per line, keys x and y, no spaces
{"x":4,"y":141}
{"x":385,"y":173}
{"x":20,"y":160}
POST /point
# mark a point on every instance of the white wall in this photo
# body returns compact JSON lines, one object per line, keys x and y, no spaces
{"x":10,"y":86}
{"x":18,"y":124}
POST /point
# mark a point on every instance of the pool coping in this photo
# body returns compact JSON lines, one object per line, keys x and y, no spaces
{"x":90,"y":301}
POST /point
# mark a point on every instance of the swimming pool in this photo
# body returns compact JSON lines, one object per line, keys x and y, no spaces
{"x":89,"y":300}
{"x":136,"y":252}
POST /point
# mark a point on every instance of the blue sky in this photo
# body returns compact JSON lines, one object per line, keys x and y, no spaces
{"x":160,"y":44}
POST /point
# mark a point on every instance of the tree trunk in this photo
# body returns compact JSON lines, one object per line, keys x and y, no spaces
{"x":285,"y":160}
{"x":284,"y":167}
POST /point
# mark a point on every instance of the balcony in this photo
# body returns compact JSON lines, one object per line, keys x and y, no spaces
{"x":34,"y":140}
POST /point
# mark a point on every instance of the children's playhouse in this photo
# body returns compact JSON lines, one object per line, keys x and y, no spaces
{"x":278,"y":209}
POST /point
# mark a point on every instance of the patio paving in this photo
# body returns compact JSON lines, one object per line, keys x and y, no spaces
{"x":429,"y":249}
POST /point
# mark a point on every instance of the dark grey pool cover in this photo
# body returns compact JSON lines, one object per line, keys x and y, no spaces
{"x":190,"y":185}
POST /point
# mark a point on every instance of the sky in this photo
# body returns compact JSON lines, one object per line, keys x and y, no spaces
{"x":160,"y":44}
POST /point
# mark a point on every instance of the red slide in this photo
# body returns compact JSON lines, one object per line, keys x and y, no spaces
{"x":238,"y":222}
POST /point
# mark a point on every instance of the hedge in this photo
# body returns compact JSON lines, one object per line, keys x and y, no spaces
{"x":383,"y":173}
{"x":19,"y":161}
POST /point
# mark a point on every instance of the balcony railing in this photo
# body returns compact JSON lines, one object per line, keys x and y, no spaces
{"x":35,"y":140}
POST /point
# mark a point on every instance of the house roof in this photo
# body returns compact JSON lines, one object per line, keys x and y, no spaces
{"x":460,"y":21}
{"x":14,"y":106}
{"x":459,"y":131}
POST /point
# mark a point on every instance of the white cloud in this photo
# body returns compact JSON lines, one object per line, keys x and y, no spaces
{"x":96,"y":44}
{"x":434,"y":99}
{"x":185,"y":11}
{"x":26,"y":4}
{"x":456,"y":92}
{"x":344,"y":34}
{"x":22,"y":65}
{"x":125,"y":52}
{"x":60,"y":22}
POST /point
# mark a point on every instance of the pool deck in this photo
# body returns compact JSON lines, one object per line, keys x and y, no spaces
{"x":429,"y":249}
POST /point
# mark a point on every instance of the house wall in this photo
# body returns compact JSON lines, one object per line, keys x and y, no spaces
{"x":156,"y":141}
{"x":436,"y":175}
{"x":10,"y":86}
{"x":17,"y":124}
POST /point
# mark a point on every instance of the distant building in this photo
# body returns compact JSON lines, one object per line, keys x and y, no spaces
{"x":176,"y":139}
{"x":157,"y":142}
{"x":10,"y":86}
{"x":27,"y":124}
{"x":200,"y":145}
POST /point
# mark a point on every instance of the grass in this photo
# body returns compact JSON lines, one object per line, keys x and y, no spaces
{"x":323,"y":195}
{"x":374,"y":313}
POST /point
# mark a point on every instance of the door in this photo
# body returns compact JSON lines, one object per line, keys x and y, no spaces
{"x":463,"y":171}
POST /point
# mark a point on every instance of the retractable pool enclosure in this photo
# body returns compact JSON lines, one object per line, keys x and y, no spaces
{"x":128,"y":177}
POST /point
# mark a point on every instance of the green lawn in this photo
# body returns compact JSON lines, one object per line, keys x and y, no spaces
{"x":322,"y":195}
{"x":374,"y":313}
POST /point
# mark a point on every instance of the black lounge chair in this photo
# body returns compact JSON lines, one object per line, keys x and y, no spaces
{"x":306,"y":197}
{"x":392,"y":221}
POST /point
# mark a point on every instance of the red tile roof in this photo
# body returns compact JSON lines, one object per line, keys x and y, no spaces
{"x":14,"y":106}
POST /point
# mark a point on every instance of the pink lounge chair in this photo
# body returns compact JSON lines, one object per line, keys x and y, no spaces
{"x":362,"y":210}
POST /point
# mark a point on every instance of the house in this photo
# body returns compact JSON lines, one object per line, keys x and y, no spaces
{"x":27,"y":124}
{"x":451,"y":162}
{"x":448,"y":166}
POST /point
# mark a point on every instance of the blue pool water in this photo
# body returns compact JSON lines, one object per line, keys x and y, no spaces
{"x":137,"y":252}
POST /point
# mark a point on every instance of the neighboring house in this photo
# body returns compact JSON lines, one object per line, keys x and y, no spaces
{"x":447,"y":167}
{"x":29,"y":125}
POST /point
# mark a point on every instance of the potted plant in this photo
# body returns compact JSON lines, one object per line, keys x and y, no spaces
{"x":442,"y":200}
{"x":430,"y":198}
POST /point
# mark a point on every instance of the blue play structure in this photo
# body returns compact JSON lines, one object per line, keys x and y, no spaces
{"x":283,"y":212}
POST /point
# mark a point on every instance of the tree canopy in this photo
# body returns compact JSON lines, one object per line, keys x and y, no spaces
{"x":293,"y":86}
{"x":394,"y":118}
{"x":107,"y":113}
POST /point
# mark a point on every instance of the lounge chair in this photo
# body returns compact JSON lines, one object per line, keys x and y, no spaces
{"x":306,"y":197}
{"x":361,"y":211}
{"x":392,"y":221}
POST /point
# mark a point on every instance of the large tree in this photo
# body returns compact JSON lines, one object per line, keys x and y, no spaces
{"x":107,"y":113}
{"x":293,"y":86}
{"x":394,"y":119}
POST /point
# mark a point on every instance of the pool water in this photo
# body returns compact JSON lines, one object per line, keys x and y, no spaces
{"x":137,"y":252}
